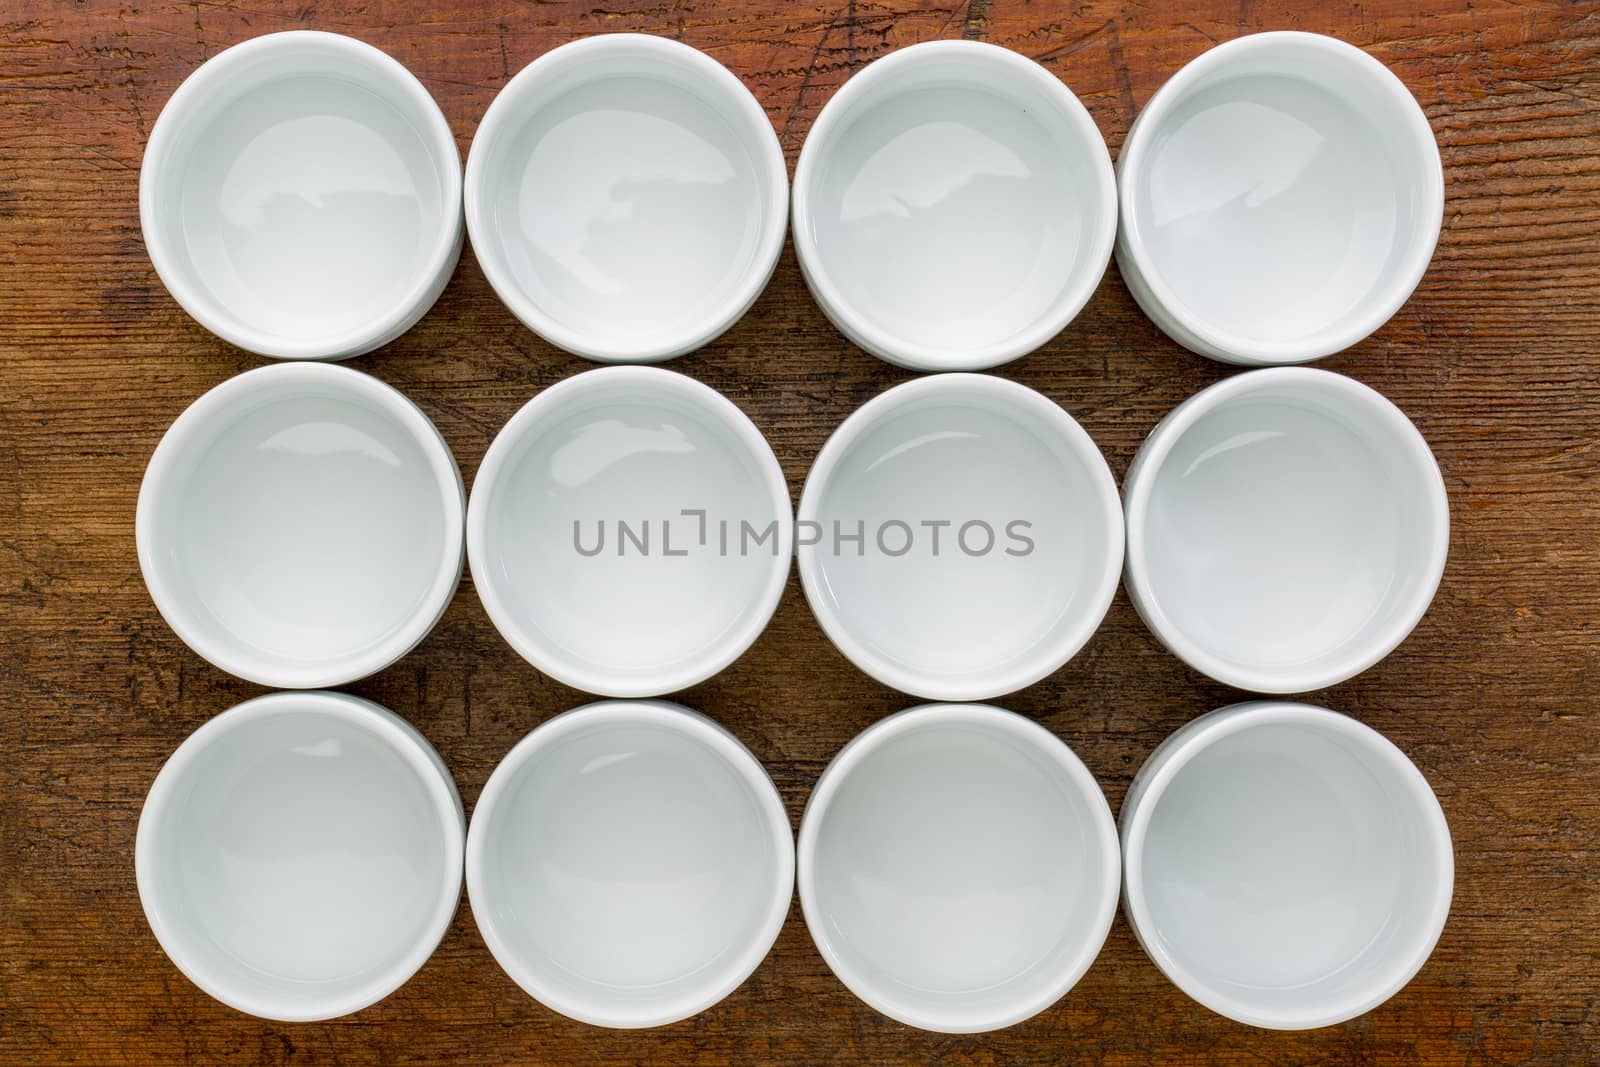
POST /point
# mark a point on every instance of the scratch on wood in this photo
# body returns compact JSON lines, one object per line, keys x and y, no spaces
{"x":1067,"y":48}
{"x":850,"y":31}
{"x":13,"y":545}
{"x":199,"y":31}
{"x":977,"y":20}
{"x":138,"y":112}
{"x":466,"y":689}
{"x":805,"y":81}
{"x":1119,"y":68}
{"x":132,"y":83}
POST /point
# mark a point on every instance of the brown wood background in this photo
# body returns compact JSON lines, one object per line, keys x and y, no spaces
{"x":1497,"y":358}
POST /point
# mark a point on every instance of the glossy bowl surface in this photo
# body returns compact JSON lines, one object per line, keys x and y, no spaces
{"x":627,"y":197}
{"x":301,"y":196}
{"x":1287,"y":528}
{"x":960,"y":537}
{"x":630,"y":531}
{"x":299,"y":856}
{"x":958,"y":867}
{"x":301,"y":525}
{"x":1281,"y":197}
{"x":1285,"y":865}
{"x":629,"y":863}
{"x":954,"y":206}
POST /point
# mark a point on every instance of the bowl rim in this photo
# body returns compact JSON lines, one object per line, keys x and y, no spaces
{"x":406,"y":93}
{"x":719,"y":89}
{"x":658,"y":714}
{"x":1070,"y":116}
{"x":1374,"y":313}
{"x":555,"y":403}
{"x":1144,"y":472}
{"x":961,"y":389}
{"x":387,"y":728}
{"x":319,"y":379}
{"x":1162,"y":767}
{"x":1020,"y":732}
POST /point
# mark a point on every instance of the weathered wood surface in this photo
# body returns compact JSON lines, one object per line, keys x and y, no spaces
{"x":1497,"y":358}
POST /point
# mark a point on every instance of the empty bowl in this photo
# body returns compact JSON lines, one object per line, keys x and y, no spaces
{"x":954,"y":206}
{"x":630,"y":532}
{"x":626,"y":197}
{"x":1285,"y":865}
{"x":299,"y":856}
{"x":1287,"y":528}
{"x":1281,"y":197}
{"x":301,"y":196}
{"x":960,"y":537}
{"x":958,"y":867}
{"x":629,"y":863}
{"x":300,"y":525}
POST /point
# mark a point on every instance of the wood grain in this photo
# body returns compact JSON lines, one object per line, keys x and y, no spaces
{"x":1497,"y":358}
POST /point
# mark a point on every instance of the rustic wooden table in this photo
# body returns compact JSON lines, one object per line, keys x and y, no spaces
{"x":1497,"y":359}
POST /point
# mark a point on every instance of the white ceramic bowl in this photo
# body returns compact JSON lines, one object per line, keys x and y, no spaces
{"x":1285,"y":865}
{"x":1016,"y":579}
{"x":630,"y":532}
{"x":300,"y":525}
{"x":958,"y":867}
{"x":301,"y":196}
{"x":299,"y":856}
{"x":626,"y":197}
{"x":1287,"y":528}
{"x":1281,"y":197}
{"x":629,"y":863}
{"x":954,"y":206}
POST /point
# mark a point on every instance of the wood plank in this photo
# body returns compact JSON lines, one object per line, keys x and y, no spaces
{"x":1497,"y":357}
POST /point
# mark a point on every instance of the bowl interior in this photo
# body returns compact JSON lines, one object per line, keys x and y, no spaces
{"x":1291,"y":529}
{"x":631,"y":537}
{"x":1283,"y":194}
{"x":955,"y":205}
{"x":626,"y":197}
{"x":1291,"y":873}
{"x":300,"y":529}
{"x":963,"y":543}
{"x":960,"y":877}
{"x":303,"y":196}
{"x":629,"y":872}
{"x":297,"y":863}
